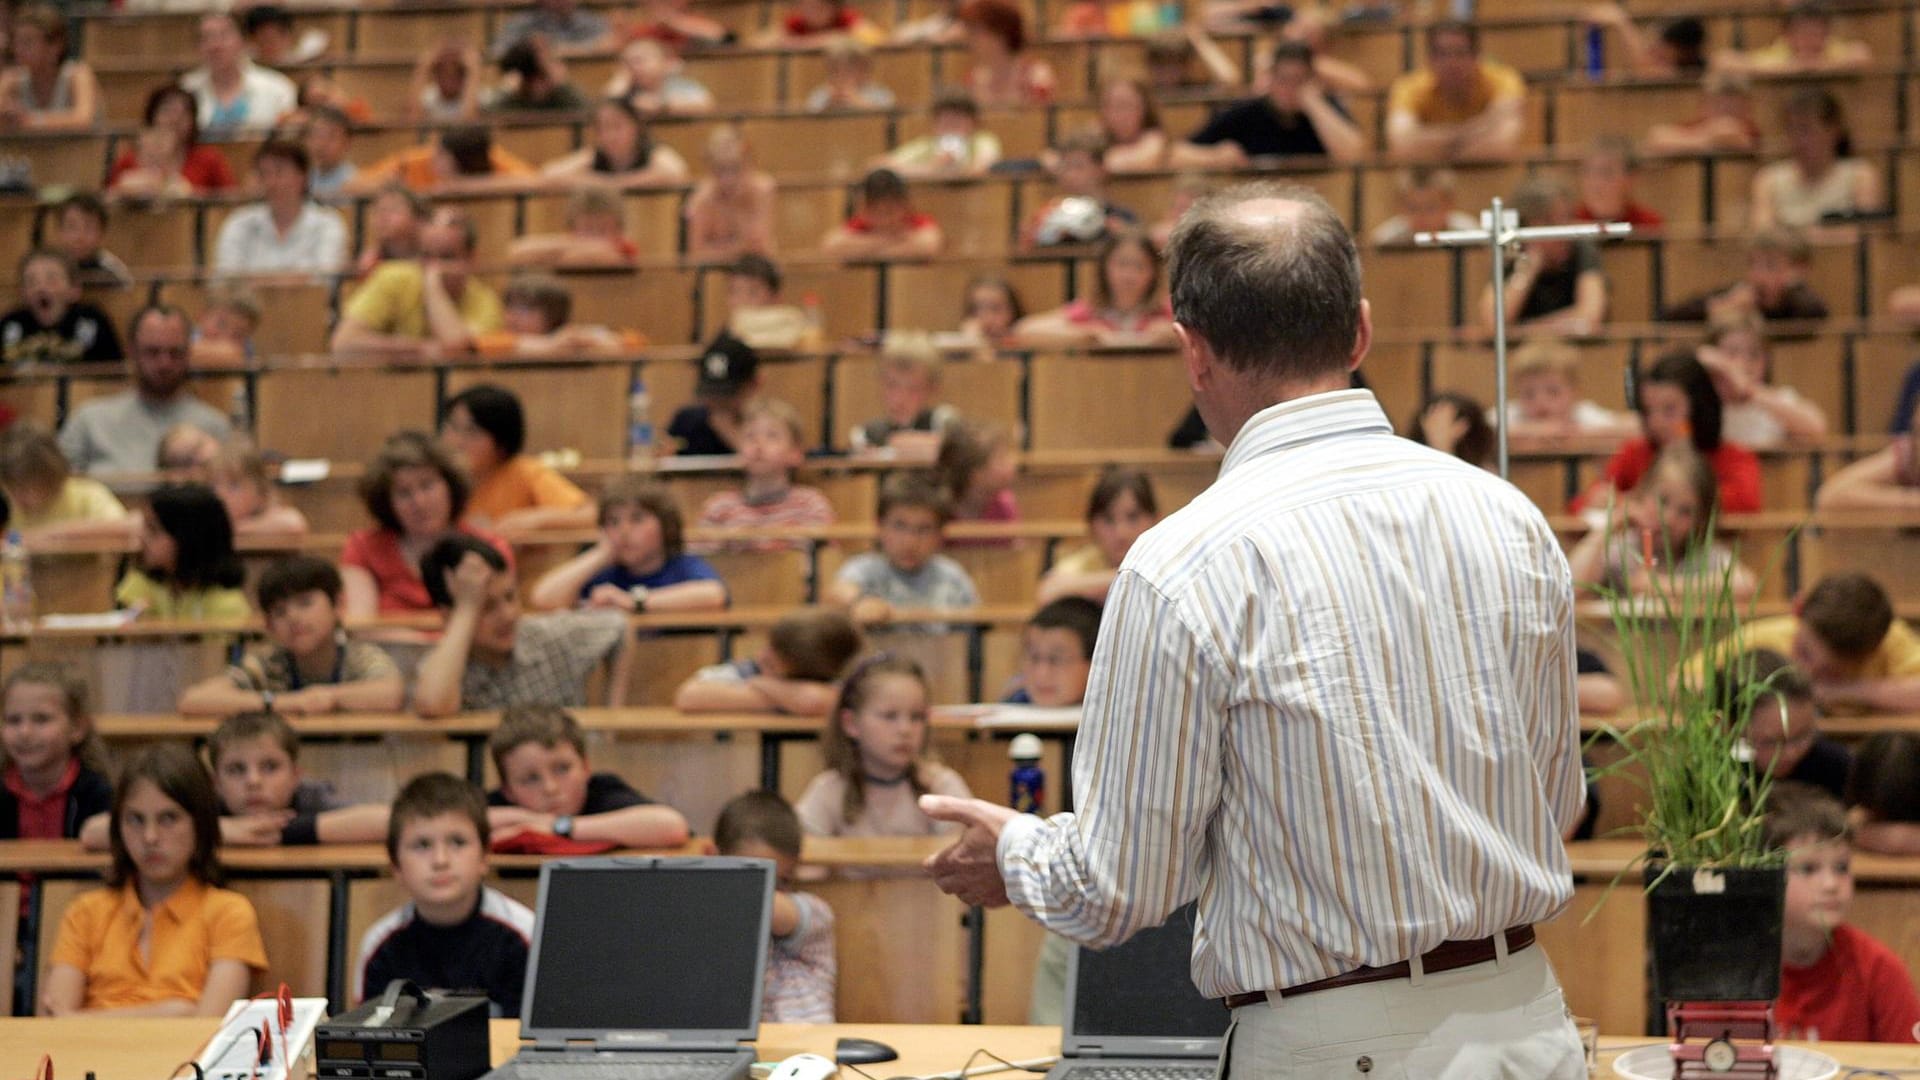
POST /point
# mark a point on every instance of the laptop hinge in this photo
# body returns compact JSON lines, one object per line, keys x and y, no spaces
{"x":1085,"y":1051}
{"x":676,"y":1047}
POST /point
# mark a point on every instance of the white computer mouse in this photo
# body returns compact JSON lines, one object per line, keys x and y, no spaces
{"x":804,"y":1067}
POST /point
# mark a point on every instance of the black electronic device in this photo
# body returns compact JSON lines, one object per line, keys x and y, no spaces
{"x":406,"y":1035}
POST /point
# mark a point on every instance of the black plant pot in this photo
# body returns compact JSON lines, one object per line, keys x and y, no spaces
{"x":1716,"y":934}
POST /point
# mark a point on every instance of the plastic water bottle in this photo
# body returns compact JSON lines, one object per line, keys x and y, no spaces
{"x":1027,"y":785}
{"x":639,"y":423}
{"x":16,"y":583}
{"x":1596,"y":53}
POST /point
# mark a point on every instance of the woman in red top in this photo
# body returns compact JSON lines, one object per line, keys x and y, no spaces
{"x":205,"y":168}
{"x":416,"y":493}
{"x":1676,"y":400}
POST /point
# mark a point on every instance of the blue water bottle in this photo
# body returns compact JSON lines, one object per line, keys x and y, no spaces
{"x":1027,"y":787}
{"x":1596,"y":53}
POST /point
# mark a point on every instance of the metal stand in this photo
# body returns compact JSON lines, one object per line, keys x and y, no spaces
{"x":1499,"y":228}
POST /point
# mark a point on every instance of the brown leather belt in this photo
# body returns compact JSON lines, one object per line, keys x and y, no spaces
{"x":1446,"y":956}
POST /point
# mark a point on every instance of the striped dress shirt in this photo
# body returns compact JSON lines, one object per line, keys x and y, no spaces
{"x":1333,"y":699}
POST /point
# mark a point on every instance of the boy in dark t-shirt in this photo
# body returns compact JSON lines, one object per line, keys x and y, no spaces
{"x":1295,"y":118}
{"x":453,"y":933}
{"x":53,"y":325}
{"x":547,"y":790}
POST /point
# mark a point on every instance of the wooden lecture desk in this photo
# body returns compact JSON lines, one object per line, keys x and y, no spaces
{"x":144,"y":1049}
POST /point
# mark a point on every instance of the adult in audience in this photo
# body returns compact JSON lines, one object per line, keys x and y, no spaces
{"x":286,"y":232}
{"x":445,"y":87}
{"x":886,"y":226}
{"x":464,"y":158}
{"x":45,"y":89}
{"x":676,"y":25}
{"x":1806,"y":45}
{"x":532,"y":79}
{"x":395,"y":219}
{"x":620,"y":151}
{"x":512,"y":490}
{"x":1888,"y":479}
{"x":652,"y":80}
{"x":1458,"y":106}
{"x":1723,"y":122}
{"x":1556,"y":286}
{"x":1295,"y":117}
{"x":1198,"y":688}
{"x":416,"y":493}
{"x":275,"y":41}
{"x":121,"y":433}
{"x":1315,"y":27}
{"x":1127,"y":306}
{"x":171,"y":107}
{"x":1130,"y":123}
{"x":1820,"y":175}
{"x":1775,"y":285}
{"x":730,"y":211}
{"x":326,"y":136}
{"x":561,"y":22}
{"x":1607,"y":172}
{"x":1424,"y":202}
{"x":433,"y":305}
{"x":231,"y":92}
{"x":996,"y":42}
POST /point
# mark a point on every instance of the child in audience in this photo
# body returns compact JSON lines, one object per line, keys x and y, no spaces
{"x":729,"y":378}
{"x":445,"y":88}
{"x":1664,"y":545}
{"x":1883,"y":793}
{"x":1546,"y":401}
{"x":957,"y":145}
{"x":1821,"y":174}
{"x":238,"y":475}
{"x":1723,"y":122}
{"x":47,"y":500}
{"x":265,"y":801}
{"x":489,"y":656}
{"x":1806,"y":45}
{"x":1056,"y":653}
{"x":535,"y":324}
{"x":162,"y":939}
{"x":1836,"y":982}
{"x":1783,"y":736}
{"x":801,"y":965}
{"x":454,"y":932}
{"x":1755,"y":412}
{"x":1606,"y":186}
{"x":1121,"y":508}
{"x":1126,"y":308}
{"x":908,"y":570}
{"x":730,"y":211}
{"x":186,"y":453}
{"x":619,"y":150}
{"x":1844,"y":636}
{"x":1556,"y":286}
{"x":1424,"y":202}
{"x":311,"y":665}
{"x":80,"y":229}
{"x":1775,"y":286}
{"x":876,"y":752}
{"x":512,"y":490}
{"x":1678,"y":404}
{"x":641,"y":562}
{"x":186,"y":567}
{"x":394,"y":220}
{"x":52,"y":763}
{"x":327,"y":135}
{"x":794,"y":675}
{"x":850,"y":83}
{"x":977,"y":463}
{"x":755,"y":313}
{"x":46,"y":89}
{"x":1888,"y":479}
{"x":886,"y":226}
{"x":172,"y":107}
{"x":812,"y":23}
{"x":223,"y":334}
{"x":158,"y":169}
{"x":990,"y":311}
{"x":771,"y":447}
{"x":596,"y":236}
{"x":548,"y":789}
{"x":53,"y":325}
{"x":1079,"y":212}
{"x":651,"y":79}
{"x":1454,"y":423}
{"x":533,"y":78}
{"x":912,"y":417}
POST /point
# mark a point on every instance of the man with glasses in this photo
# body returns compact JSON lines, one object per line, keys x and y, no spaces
{"x":1458,"y":106}
{"x":121,"y":433}
{"x":432,"y":307}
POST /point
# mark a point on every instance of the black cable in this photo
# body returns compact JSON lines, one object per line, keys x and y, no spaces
{"x":983,"y":1051}
{"x":198,"y":1072}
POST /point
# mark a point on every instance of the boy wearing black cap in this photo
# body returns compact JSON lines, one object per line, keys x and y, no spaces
{"x":729,"y":377}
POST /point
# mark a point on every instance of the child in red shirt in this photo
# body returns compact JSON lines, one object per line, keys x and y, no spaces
{"x":1677,"y":401}
{"x":1837,"y":984}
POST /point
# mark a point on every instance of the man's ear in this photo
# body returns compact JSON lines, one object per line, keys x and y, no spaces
{"x":1362,"y":337}
{"x":1197,"y":354}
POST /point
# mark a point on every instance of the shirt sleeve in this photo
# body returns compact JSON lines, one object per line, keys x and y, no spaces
{"x":818,"y":807}
{"x":1895,"y":1006}
{"x":1739,"y":472}
{"x":607,"y":792}
{"x":1554,"y":735}
{"x":1505,"y":83}
{"x":80,"y":930}
{"x":374,"y":304}
{"x":229,"y":254}
{"x":1147,"y":780}
{"x":550,"y":489}
{"x":233,"y":930}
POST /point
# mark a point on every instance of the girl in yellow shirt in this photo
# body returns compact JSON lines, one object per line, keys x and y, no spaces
{"x":163,"y":939}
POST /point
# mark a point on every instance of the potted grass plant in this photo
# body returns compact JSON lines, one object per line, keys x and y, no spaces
{"x":1715,"y":887}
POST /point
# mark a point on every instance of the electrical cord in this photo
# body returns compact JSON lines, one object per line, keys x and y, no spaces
{"x":198,"y":1072}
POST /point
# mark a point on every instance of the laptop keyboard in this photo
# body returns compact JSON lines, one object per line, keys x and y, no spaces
{"x":1139,"y":1072}
{"x":596,"y":1067}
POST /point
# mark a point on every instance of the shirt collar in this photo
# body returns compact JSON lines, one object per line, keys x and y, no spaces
{"x":185,"y":900}
{"x":1306,"y":419}
{"x":18,"y":784}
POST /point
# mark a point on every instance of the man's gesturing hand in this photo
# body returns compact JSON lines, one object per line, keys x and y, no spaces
{"x":969,"y":869}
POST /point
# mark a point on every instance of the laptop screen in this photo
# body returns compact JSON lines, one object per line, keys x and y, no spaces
{"x":1143,"y":988}
{"x":649,"y":945}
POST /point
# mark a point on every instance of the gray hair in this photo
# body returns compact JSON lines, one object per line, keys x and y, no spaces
{"x":1280,"y":299}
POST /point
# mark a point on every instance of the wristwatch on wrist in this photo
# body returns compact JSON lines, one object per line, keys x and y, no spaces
{"x":266,"y":700}
{"x":639,"y":594}
{"x":563,"y":825}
